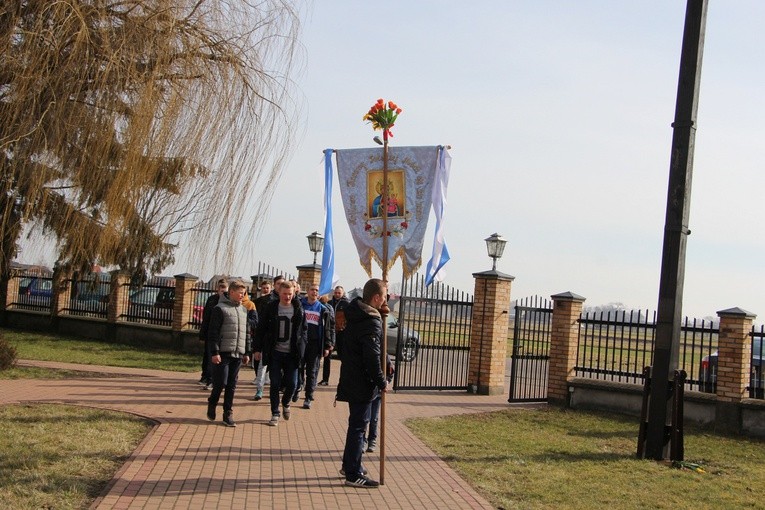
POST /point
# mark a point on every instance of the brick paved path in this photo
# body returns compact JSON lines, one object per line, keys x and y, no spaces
{"x":189,"y":462}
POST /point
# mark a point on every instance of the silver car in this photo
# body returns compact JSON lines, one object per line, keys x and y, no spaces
{"x":410,"y":340}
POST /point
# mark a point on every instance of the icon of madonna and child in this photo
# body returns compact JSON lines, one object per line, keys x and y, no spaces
{"x":396,"y":194}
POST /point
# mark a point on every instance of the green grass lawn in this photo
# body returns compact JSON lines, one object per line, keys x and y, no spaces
{"x":551,"y":458}
{"x":45,"y":347}
{"x":57,"y":456}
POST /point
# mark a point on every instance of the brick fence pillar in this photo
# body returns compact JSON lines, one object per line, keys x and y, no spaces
{"x":183,"y":305}
{"x":60,"y":292}
{"x":489,"y":332}
{"x":734,"y":349}
{"x":309,"y":274}
{"x":564,"y":338}
{"x":12,"y":289}
{"x":118,"y":296}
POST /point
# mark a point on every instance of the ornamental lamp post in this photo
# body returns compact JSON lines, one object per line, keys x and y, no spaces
{"x":315,"y":244}
{"x":495,"y":246}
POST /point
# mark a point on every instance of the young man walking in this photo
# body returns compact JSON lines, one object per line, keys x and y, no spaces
{"x":280,"y":340}
{"x":338,"y":303}
{"x":361,"y":375}
{"x":321,"y":340}
{"x":212,"y":302}
{"x":230,"y":346}
{"x":266,"y":296}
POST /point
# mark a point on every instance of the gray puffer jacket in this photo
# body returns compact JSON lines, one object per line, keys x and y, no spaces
{"x":228,"y":329}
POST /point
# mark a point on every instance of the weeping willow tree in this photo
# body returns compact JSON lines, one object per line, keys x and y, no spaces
{"x":124,"y":122}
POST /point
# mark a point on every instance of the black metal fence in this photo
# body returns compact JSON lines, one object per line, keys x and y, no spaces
{"x":201,"y":291}
{"x":530,"y":353}
{"x":617,"y":345}
{"x":756,"y":384}
{"x":430,"y":336}
{"x":35,"y":291}
{"x":267,"y":272}
{"x":89,"y":296}
{"x":151,"y":303}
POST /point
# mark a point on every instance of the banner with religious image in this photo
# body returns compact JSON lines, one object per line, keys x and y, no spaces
{"x":411,"y":174}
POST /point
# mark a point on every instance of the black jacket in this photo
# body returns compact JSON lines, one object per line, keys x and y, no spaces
{"x":267,"y":331}
{"x":212,"y":302}
{"x":361,"y":375}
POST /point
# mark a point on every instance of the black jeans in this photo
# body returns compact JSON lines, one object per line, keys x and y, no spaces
{"x":312,"y":360}
{"x":358,"y":419}
{"x":224,"y":374}
{"x":282,"y":364}
{"x":325,"y":368}
{"x":206,"y":363}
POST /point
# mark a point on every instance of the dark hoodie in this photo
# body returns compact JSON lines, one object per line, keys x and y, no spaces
{"x":361,"y":376}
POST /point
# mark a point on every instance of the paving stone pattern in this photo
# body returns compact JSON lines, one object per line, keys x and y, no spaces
{"x":189,"y":462}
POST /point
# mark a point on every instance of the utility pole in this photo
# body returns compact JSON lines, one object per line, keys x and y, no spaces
{"x":676,"y":231}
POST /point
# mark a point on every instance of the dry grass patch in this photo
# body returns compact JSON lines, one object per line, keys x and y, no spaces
{"x":57,"y":456}
{"x":25,"y":372}
{"x":45,"y":347}
{"x":551,"y":458}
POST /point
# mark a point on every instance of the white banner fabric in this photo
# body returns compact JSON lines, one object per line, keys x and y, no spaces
{"x":411,"y":172}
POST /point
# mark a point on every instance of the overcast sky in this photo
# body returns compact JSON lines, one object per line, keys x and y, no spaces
{"x":559,"y":116}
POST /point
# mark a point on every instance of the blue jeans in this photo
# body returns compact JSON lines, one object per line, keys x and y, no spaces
{"x":374,"y":416}
{"x":224,"y":375}
{"x":282,"y":367}
{"x":358,"y":419}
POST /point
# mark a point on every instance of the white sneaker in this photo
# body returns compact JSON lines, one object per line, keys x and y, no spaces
{"x":274,"y":420}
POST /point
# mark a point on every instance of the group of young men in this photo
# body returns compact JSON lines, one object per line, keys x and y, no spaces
{"x":287,"y":337}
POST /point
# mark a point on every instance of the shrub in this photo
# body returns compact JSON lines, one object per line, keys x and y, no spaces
{"x":7,"y":354}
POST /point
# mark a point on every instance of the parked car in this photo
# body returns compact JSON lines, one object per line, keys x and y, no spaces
{"x":708,"y":370}
{"x":411,"y":345}
{"x":36,"y":286}
{"x":95,"y":290}
{"x":411,"y":340}
{"x":156,"y":303}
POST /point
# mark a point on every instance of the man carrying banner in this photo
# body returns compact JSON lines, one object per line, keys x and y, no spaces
{"x":361,"y":375}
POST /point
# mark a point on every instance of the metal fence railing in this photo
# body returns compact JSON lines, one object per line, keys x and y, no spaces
{"x":35,"y":291}
{"x":530,"y":350}
{"x":89,"y":296}
{"x":200,"y":292}
{"x":429,"y":336}
{"x":150,"y":303}
{"x":616,"y":346}
{"x":269,"y":272}
{"x":756,"y":384}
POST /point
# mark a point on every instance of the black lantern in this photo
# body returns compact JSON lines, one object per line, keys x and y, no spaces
{"x":315,"y":244}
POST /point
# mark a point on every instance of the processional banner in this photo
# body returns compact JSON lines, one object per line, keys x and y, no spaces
{"x":412,"y":172}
